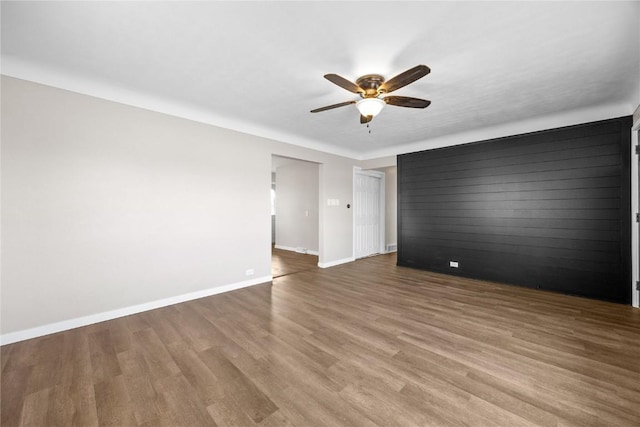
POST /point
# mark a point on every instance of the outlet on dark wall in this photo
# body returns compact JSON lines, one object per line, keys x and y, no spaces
{"x":548,"y":210}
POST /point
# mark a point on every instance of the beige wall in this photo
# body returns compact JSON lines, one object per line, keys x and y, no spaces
{"x":336,"y":222}
{"x":379,"y":163}
{"x":106,"y":206}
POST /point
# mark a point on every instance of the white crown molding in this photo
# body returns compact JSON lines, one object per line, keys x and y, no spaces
{"x":534,"y":124}
{"x":78,"y":322}
{"x":18,"y":68}
{"x":110,"y":91}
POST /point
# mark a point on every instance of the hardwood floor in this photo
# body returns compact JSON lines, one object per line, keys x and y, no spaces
{"x":361,"y":344}
{"x":288,"y":262}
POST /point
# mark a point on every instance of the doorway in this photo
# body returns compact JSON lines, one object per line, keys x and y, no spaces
{"x":368,"y":213}
{"x":295,"y":215}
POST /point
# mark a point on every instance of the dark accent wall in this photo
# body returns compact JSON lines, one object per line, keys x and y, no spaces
{"x":548,"y":210}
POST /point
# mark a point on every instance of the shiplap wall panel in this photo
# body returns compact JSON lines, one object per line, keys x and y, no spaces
{"x":549,"y":209}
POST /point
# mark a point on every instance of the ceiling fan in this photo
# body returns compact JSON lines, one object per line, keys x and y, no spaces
{"x":373,"y":87}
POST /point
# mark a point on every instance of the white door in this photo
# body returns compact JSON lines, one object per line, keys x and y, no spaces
{"x":368,"y":213}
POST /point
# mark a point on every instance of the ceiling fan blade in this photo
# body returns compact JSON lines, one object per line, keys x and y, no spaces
{"x":330,"y":107}
{"x":405,"y":101}
{"x":365,"y":119}
{"x":405,"y":78}
{"x":343,"y":83}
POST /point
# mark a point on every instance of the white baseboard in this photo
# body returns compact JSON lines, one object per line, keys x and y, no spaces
{"x":292,"y":249}
{"x":65,"y":325}
{"x":336,"y":262}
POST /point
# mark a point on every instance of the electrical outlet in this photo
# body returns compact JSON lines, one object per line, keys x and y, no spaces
{"x":453,"y":264}
{"x":249,"y":272}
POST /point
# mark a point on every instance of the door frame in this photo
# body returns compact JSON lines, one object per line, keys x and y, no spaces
{"x":382,"y":206}
{"x":635,"y":208}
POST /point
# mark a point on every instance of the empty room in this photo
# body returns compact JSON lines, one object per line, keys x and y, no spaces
{"x":305,"y":213}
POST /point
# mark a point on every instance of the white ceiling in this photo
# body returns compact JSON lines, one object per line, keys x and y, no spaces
{"x":258,"y":66}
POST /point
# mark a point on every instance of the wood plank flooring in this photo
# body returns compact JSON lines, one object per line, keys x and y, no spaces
{"x":289,"y":262}
{"x":362,"y":344}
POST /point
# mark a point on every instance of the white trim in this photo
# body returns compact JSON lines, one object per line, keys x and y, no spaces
{"x":292,"y":249}
{"x":62,"y":79}
{"x":50,"y":76}
{"x":356,"y":169}
{"x":336,"y":262}
{"x":78,"y":322}
{"x":533,"y":124}
{"x":367,"y":172}
{"x":635,"y":207}
{"x":383,"y":212}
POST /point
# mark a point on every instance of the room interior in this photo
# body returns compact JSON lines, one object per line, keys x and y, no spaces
{"x":294,"y":226}
{"x":138,"y":141}
{"x":296,"y":205}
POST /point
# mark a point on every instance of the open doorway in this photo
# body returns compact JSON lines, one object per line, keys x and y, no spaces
{"x":295,"y":215}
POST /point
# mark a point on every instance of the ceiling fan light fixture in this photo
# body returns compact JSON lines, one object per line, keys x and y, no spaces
{"x":370,"y":106}
{"x":373,"y":89}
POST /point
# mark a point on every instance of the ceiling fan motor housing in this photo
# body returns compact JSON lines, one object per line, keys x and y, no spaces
{"x":371,"y":85}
